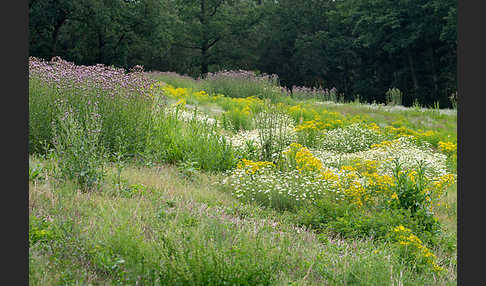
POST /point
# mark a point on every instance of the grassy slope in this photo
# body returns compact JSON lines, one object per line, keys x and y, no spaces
{"x":183,"y":230}
{"x":180,"y":229}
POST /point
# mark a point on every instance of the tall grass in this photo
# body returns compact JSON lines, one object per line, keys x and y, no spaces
{"x":168,"y":228}
{"x":167,"y":236}
{"x":172,"y":140}
{"x":321,"y":94}
{"x":77,"y":144}
{"x":243,"y":84}
{"x":177,"y":80}
{"x":275,"y":132}
{"x":123,"y":104}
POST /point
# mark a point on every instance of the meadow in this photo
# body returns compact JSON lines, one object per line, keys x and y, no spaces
{"x":140,"y":178}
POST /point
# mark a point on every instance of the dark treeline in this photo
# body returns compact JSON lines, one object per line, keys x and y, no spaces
{"x":360,"y":47}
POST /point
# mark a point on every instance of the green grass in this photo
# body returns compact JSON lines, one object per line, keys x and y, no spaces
{"x":162,"y":216}
{"x":180,"y":231}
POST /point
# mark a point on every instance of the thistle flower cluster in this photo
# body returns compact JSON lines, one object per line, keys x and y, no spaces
{"x":243,"y":74}
{"x":113,"y":81}
{"x":315,"y":92}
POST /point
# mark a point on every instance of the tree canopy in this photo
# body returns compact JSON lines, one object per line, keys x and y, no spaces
{"x":360,"y":47}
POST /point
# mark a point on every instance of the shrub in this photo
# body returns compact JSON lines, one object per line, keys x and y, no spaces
{"x":394,"y":96}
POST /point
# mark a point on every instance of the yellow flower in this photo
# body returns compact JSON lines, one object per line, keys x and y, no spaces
{"x":447,"y":147}
{"x":412,"y":174}
{"x":181,"y":102}
{"x":306,"y":161}
{"x":252,"y":167}
{"x":374,"y":127}
{"x":328,"y":175}
{"x":348,"y":168}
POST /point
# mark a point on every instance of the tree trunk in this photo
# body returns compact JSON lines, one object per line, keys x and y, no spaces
{"x":204,"y":57}
{"x":412,"y":71}
{"x":55,"y":35}
{"x":205,"y":41}
{"x":413,"y":74}
{"x":435,"y":79}
{"x":101,"y":45}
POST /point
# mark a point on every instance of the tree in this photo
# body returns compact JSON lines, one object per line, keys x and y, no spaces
{"x":204,"y":23}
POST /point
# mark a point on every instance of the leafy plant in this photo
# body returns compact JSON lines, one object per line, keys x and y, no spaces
{"x":394,"y":96}
{"x":275,"y":132}
{"x":40,"y":230}
{"x":78,"y":149}
{"x":36,"y":172}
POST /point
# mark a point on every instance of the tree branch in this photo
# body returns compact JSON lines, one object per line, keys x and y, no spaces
{"x":216,"y":8}
{"x":214,"y":42}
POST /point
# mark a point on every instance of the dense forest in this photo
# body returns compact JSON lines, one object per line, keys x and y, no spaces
{"x":360,"y":47}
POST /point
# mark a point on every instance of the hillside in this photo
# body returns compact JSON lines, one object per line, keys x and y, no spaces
{"x":159,"y":179}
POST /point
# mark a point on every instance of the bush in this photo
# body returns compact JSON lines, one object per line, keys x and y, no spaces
{"x":393,"y":97}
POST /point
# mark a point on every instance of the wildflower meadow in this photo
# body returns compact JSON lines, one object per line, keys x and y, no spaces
{"x":150,"y":178}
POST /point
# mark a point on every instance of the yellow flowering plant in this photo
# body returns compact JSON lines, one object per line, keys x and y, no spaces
{"x":447,"y":148}
{"x":413,"y":249}
{"x":252,"y":167}
{"x":301,"y":158}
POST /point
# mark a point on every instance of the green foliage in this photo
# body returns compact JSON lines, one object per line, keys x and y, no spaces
{"x":273,"y":132}
{"x":173,"y":140}
{"x":236,"y":120}
{"x":125,"y":123}
{"x":78,"y":148}
{"x":124,"y":118}
{"x":41,"y":114}
{"x":358,"y":47}
{"x":36,"y":172}
{"x":393,"y":96}
{"x":412,"y":195}
{"x":40,"y":230}
{"x":121,"y":33}
{"x":238,"y":84}
{"x":173,"y":227}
